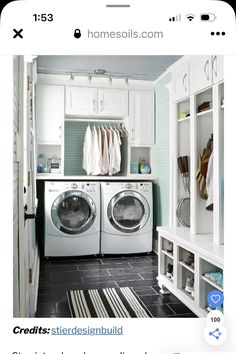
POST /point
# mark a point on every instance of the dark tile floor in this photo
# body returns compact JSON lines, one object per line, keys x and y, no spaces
{"x":58,"y":275}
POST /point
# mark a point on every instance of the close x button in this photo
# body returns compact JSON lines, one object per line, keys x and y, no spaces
{"x":18,"y":33}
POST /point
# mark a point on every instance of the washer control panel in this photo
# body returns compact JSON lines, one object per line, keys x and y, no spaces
{"x":142,"y":187}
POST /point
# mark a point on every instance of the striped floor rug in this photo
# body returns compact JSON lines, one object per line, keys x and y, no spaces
{"x":110,"y":302}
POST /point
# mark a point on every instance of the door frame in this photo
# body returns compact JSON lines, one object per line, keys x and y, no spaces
{"x":28,"y":267}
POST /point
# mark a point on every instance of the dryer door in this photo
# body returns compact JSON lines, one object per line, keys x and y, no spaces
{"x":128,"y":211}
{"x":73,"y":212}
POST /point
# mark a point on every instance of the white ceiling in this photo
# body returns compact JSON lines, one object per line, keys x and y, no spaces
{"x":144,"y":67}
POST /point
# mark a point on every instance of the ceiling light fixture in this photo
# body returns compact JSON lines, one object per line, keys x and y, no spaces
{"x":99,"y":72}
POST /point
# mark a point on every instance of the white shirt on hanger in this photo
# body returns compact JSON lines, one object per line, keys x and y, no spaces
{"x":105,"y":152}
{"x":87,"y":151}
{"x":110,"y":150}
{"x":116,"y":157}
{"x":95,"y":153}
{"x":100,"y":147}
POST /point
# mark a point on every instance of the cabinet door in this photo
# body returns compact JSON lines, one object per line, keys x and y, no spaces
{"x":200,"y":72}
{"x":141,"y":108}
{"x":81,"y":101}
{"x":217,"y":68}
{"x":49,"y":113}
{"x":112,"y":103}
{"x":181,"y":82}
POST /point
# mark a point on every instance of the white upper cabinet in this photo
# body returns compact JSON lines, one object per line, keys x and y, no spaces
{"x":200,"y":72}
{"x":49,"y":113}
{"x":113,"y":103}
{"x":181,"y":82}
{"x":81,"y":101}
{"x":87,"y":101}
{"x":141,"y":110}
{"x":217,"y":68}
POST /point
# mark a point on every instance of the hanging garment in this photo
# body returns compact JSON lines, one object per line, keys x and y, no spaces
{"x":105,"y":152}
{"x":116,"y":157}
{"x":209,"y":184}
{"x":95,"y":153}
{"x":100,"y":148}
{"x":118,"y":135}
{"x":87,"y":151}
{"x":110,"y":150}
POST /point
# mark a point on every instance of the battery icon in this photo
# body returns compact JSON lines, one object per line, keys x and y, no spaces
{"x":208,"y":17}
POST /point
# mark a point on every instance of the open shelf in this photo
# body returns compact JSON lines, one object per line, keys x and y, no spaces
{"x":184,"y":255}
{"x":183,"y":119}
{"x":205,"y":113}
{"x":211,"y":282}
{"x":168,"y":254}
{"x":137,"y":155}
{"x":45,"y":152}
{"x":183,"y":264}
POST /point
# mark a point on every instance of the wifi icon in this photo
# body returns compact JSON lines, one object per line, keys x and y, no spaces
{"x":190,"y":17}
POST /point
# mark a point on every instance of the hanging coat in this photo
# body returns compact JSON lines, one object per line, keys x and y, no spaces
{"x":202,"y":171}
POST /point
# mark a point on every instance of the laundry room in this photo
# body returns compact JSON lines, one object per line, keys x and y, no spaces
{"x":122,"y":204}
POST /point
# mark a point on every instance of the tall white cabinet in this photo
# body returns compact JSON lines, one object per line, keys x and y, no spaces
{"x":141,"y":109}
{"x":191,"y":130}
{"x":50,"y":113}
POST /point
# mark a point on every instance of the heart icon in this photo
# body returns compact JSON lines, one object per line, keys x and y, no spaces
{"x":215,"y":298}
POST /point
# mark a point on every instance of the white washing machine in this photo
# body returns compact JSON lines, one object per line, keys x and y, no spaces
{"x":72,"y":218}
{"x":127,"y":217}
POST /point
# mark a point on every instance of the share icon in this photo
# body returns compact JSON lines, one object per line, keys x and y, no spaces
{"x":216,"y":333}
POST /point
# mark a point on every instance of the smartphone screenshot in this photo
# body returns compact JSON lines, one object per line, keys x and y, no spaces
{"x":118,"y":177}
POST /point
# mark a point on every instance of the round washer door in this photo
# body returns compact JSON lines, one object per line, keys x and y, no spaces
{"x":73,"y":212}
{"x":128,"y":211}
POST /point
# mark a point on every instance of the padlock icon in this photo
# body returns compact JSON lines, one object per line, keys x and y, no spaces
{"x":77,"y":33}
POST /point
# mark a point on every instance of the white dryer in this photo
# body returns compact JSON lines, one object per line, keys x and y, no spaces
{"x":72,"y":218}
{"x":127,"y":217}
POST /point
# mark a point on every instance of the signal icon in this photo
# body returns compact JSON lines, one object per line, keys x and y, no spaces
{"x":175,"y":18}
{"x":190,"y":17}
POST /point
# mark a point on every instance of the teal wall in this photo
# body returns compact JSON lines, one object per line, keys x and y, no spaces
{"x":161,"y":190}
{"x":74,"y":140}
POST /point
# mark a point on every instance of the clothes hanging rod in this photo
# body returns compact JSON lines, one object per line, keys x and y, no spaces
{"x":98,"y":121}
